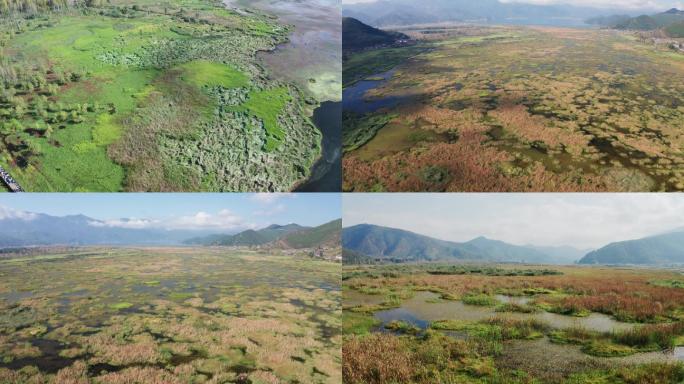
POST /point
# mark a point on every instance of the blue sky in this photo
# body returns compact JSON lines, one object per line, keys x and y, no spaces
{"x":579,"y":220}
{"x":223,"y":211}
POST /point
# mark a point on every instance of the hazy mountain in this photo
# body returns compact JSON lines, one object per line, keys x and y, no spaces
{"x":41,"y":229}
{"x":608,"y":21}
{"x":639,"y":23}
{"x":285,"y":236}
{"x":670,"y":22}
{"x":396,"y":245}
{"x":405,"y":12}
{"x":675,"y":29}
{"x":562,"y":254}
{"x":357,"y":35}
{"x":498,"y":250}
{"x":661,"y":249}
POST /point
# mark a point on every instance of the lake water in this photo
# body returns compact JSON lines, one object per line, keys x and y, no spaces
{"x":314,"y":49}
{"x":354,"y":97}
{"x":425,"y":307}
{"x":326,"y":174}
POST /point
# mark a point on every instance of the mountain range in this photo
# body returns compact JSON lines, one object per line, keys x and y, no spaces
{"x":43,"y":229}
{"x":367,"y":243}
{"x":671,"y":22}
{"x":34,"y":229}
{"x":357,"y":35}
{"x":406,"y":12}
{"x":666,"y":248}
{"x":396,"y":245}
{"x":286,"y":236}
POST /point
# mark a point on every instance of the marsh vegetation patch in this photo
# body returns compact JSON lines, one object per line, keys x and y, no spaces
{"x":171,"y":315}
{"x":534,"y":109}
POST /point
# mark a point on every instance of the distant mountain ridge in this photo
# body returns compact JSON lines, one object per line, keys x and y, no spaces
{"x":371,"y":242}
{"x":43,"y":229}
{"x":405,"y":12}
{"x":357,"y":35}
{"x":661,"y":249}
{"x":368,"y":244}
{"x":33,"y":229}
{"x":286,"y":236}
{"x":671,"y":22}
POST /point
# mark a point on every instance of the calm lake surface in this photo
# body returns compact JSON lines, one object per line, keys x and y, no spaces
{"x":326,"y":174}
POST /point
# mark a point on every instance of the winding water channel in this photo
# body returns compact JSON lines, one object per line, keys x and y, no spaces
{"x":426,"y":307}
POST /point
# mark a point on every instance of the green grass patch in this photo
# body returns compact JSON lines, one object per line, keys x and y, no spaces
{"x":669,"y":283}
{"x":204,"y":73}
{"x":495,"y":329}
{"x":602,"y":348}
{"x":357,"y":323}
{"x":402,"y":327}
{"x":106,"y":131}
{"x":361,"y":65}
{"x":177,"y":296}
{"x":267,"y":105}
{"x":479,"y":299}
{"x":121,"y":305}
{"x":356,"y":131}
{"x":514,"y":307}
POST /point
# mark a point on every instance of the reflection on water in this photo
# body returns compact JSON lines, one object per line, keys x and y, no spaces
{"x":426,"y":307}
{"x":423,"y":306}
{"x":354,"y":298}
{"x":354,"y":97}
{"x":402,"y":314}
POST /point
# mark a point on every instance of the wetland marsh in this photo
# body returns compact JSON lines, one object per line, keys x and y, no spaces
{"x":472,"y":108}
{"x":151,"y":96}
{"x":169,"y":315}
{"x":483,"y":324}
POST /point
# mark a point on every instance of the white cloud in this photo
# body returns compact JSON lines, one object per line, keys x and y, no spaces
{"x":222,"y":220}
{"x":125,"y":223}
{"x":10,"y":213}
{"x":271,"y":198}
{"x":270,"y":211}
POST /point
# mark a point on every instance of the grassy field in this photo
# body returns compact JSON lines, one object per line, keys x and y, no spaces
{"x":512,"y":324}
{"x":520,"y":109}
{"x":149,"y":96}
{"x":169,"y":316}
